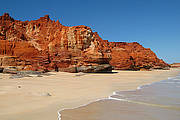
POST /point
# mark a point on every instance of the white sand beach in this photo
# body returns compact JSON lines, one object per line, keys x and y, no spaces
{"x":40,"y":98}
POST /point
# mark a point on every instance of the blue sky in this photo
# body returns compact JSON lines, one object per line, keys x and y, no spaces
{"x":153,"y":23}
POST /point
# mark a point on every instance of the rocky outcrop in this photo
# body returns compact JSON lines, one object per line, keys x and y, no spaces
{"x":133,"y":56}
{"x":1,"y":70}
{"x":46,"y":45}
{"x":89,"y":69}
{"x":175,"y":65}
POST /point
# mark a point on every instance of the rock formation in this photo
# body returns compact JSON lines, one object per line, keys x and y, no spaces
{"x":44,"y":45}
{"x":175,"y":65}
{"x":133,"y":56}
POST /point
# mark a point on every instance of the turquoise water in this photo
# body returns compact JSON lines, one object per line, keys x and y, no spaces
{"x":157,"y":101}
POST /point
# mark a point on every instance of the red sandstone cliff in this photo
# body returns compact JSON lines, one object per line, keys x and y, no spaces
{"x":175,"y":65}
{"x":44,"y":44}
{"x":134,"y":56}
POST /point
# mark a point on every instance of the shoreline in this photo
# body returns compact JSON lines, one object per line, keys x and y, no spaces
{"x":59,"y":114}
{"x":107,"y":98}
{"x":68,"y":91}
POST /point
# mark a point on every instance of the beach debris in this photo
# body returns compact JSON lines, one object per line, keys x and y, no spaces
{"x":41,"y":94}
{"x":46,"y":94}
{"x":39,"y":76}
{"x":80,"y":74}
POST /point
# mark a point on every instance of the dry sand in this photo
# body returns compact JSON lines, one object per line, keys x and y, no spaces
{"x":39,"y":98}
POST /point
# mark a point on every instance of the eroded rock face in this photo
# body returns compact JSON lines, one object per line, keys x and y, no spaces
{"x":44,"y":45}
{"x":133,"y":56}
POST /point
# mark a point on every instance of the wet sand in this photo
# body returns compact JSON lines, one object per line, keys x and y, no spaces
{"x":118,"y":110}
{"x":157,"y":101}
{"x":39,"y":98}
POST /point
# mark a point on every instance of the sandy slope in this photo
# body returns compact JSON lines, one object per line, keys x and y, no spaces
{"x":67,"y":90}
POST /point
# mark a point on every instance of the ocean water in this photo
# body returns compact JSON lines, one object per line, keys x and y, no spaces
{"x":157,"y":101}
